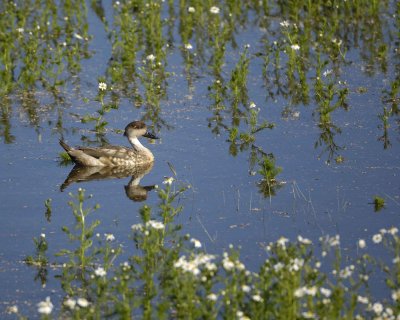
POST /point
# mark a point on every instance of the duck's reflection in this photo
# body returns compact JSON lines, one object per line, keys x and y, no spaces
{"x":133,"y":189}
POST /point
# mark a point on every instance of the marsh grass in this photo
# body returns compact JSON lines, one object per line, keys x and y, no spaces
{"x":170,"y":275}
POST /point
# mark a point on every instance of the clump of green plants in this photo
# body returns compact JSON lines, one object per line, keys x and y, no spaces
{"x":98,"y":119}
{"x":168,"y":275}
{"x":379,"y":203}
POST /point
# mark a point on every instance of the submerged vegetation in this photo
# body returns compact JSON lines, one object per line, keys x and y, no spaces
{"x":300,"y":55}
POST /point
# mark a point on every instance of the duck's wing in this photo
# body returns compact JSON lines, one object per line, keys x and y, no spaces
{"x":106,"y":152}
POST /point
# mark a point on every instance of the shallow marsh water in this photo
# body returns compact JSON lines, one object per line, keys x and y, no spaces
{"x":224,"y":205}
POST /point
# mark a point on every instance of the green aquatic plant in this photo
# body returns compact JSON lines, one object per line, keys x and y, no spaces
{"x":379,"y":203}
{"x":268,"y":170}
{"x":170,"y":275}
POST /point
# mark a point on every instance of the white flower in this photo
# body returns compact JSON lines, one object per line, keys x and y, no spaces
{"x":78,"y":36}
{"x":363,"y":300}
{"x":228,"y":264}
{"x":212,"y":297}
{"x":168,"y":180}
{"x":303,"y":240}
{"x":70,"y":303}
{"x":362,"y":244}
{"x":42,"y":235}
{"x":396,"y":295}
{"x":282,"y":242}
{"x":188,"y":46}
{"x":308,"y":315}
{"x":12,"y":309}
{"x":196,"y":243}
{"x":299,"y":292}
{"x":150,"y":57}
{"x":102,"y":86}
{"x":377,"y":238}
{"x":214,"y":10}
{"x":45,"y":307}
{"x":100,"y":272}
{"x":284,"y":24}
{"x":155,"y":224}
{"x":82,"y":302}
{"x":246,"y":288}
{"x":109,"y":237}
{"x":327,"y":72}
{"x":295,"y":47}
{"x":20,"y":30}
{"x":257,"y":298}
{"x":137,"y":227}
{"x":326,"y":292}
{"x":311,"y":291}
{"x":279,"y":266}
{"x":377,"y":307}
{"x":191,"y":9}
{"x":393,"y":230}
{"x":252,"y":105}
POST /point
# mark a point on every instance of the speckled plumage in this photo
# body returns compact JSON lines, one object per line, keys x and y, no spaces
{"x":115,"y":156}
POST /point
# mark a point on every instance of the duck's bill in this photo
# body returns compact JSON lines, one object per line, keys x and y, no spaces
{"x":150,"y":135}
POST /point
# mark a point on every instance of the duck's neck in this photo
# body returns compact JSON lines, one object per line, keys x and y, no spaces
{"x":136,"y":143}
{"x":141,"y":149}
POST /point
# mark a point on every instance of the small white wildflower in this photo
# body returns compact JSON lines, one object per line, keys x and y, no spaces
{"x":78,"y":36}
{"x":311,"y":291}
{"x":212,"y":297}
{"x":252,"y":105}
{"x":168,"y":180}
{"x":70,"y":303}
{"x":326,"y":292}
{"x":396,"y":260}
{"x":326,"y":301}
{"x":377,"y":307}
{"x":393,"y":231}
{"x":247,"y":46}
{"x":214,"y":10}
{"x":279,"y":266}
{"x":196,"y":243}
{"x":20,"y":30}
{"x":377,"y":238}
{"x":396,"y":295}
{"x":12,"y":309}
{"x":45,"y":307}
{"x":282,"y":242}
{"x":303,"y":240}
{"x":257,"y":298}
{"x":137,"y":227}
{"x":285,"y":24}
{"x":362,"y":244}
{"x":363,"y":300}
{"x":150,"y":57}
{"x":327,"y":72}
{"x":295,"y":47}
{"x":42,"y":235}
{"x":109,"y":237}
{"x":318,"y":264}
{"x":308,"y":315}
{"x":102,"y":86}
{"x":155,"y":224}
{"x":299,"y":292}
{"x":246,"y":288}
{"x":188,"y":46}
{"x":228,"y":264}
{"x":82,"y":302}
{"x":100,"y":272}
{"x":191,"y":10}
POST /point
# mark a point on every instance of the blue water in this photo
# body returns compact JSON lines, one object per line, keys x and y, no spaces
{"x":224,"y":205}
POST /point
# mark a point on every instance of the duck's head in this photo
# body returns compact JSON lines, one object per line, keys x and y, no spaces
{"x":137,"y":129}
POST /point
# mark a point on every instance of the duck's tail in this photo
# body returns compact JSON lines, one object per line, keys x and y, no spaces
{"x":65,"y":146}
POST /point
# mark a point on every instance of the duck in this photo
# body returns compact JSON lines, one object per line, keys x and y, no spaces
{"x":115,"y":156}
